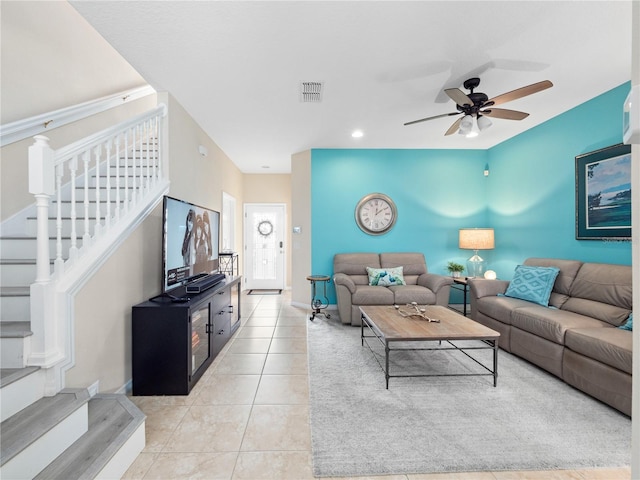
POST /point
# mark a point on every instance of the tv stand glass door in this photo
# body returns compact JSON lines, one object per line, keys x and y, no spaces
{"x":200,"y":351}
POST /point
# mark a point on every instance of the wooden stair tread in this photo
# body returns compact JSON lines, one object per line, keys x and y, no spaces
{"x":15,"y":291}
{"x":112,"y":420}
{"x":15,"y":329}
{"x":10,"y":375}
{"x":29,"y":424}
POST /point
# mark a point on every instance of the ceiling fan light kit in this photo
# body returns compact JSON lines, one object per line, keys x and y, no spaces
{"x":478,"y":106}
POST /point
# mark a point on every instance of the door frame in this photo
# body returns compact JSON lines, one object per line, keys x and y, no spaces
{"x":245,"y":233}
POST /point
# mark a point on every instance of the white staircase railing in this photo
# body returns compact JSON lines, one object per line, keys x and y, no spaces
{"x":111,"y":181}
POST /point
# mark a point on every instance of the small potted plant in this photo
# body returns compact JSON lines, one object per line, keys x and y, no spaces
{"x":455,"y":269}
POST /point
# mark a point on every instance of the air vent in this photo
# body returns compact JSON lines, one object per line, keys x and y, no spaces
{"x":311,"y":92}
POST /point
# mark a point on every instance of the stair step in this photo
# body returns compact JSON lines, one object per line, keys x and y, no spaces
{"x":15,"y":329}
{"x":25,"y":246}
{"x":19,"y":388}
{"x":113,"y":420}
{"x":35,"y":436}
{"x":18,"y":272}
{"x":11,"y":375}
{"x":21,"y":291}
{"x":16,"y":304}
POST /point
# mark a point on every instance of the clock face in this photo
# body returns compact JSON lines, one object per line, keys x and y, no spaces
{"x":376,"y":214}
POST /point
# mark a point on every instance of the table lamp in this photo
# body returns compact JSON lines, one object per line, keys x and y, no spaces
{"x":476,"y":239}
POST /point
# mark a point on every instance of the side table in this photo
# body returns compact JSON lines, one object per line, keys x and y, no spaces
{"x":461,"y":284}
{"x":228,"y":263}
{"x":319,"y":303}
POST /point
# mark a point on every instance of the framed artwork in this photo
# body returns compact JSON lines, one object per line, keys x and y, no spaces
{"x":603,"y":194}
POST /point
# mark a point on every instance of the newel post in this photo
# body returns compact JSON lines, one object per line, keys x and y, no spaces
{"x":42,"y":186}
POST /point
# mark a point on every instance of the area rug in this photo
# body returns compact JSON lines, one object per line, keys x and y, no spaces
{"x":530,"y":421}
{"x":264,"y":292}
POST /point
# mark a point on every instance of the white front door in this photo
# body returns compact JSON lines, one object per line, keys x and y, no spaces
{"x":264,"y":235}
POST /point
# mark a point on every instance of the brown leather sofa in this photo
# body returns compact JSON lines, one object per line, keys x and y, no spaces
{"x":353,"y":289}
{"x":576,"y":338}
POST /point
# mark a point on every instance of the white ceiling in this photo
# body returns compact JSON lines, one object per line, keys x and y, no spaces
{"x":235,"y":66}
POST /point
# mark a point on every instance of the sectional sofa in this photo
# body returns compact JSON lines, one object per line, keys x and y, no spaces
{"x":577,"y":337}
{"x":355,"y":287}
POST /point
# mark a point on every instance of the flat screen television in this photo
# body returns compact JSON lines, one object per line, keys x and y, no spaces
{"x":190,"y":240}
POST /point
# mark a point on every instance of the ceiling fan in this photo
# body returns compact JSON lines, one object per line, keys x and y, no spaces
{"x":479,"y":105}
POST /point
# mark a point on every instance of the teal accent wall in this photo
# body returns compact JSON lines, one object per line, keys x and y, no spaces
{"x":528,"y":198}
{"x":531,"y":189}
{"x":436,"y":192}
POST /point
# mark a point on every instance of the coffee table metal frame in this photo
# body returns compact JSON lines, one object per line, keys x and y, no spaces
{"x":489,"y":338}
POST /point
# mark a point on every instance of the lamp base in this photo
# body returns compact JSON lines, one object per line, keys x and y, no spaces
{"x":476,"y":266}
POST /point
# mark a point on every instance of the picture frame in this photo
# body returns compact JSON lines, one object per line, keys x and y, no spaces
{"x":603,"y":194}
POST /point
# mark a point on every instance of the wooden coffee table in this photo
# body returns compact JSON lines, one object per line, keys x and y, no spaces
{"x":388,"y":327}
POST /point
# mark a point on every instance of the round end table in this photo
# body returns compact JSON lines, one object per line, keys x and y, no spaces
{"x":319,"y":302}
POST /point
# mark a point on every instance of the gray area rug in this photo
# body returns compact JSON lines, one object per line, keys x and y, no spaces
{"x":531,"y":421}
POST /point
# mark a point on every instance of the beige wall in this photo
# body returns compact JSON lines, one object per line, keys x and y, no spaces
{"x":134,"y":273}
{"x":301,"y":217}
{"x":270,"y":188}
{"x":51,"y":58}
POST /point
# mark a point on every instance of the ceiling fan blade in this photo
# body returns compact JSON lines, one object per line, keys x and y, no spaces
{"x":521,"y":92}
{"x":454,"y":128}
{"x":458,"y":96}
{"x":431,"y":118}
{"x":504,"y":113}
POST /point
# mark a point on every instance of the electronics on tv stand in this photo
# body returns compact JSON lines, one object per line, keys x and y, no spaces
{"x":199,"y":284}
{"x":166,"y":296}
{"x":204,"y":283}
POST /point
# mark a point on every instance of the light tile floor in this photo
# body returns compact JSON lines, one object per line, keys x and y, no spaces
{"x":248,"y":416}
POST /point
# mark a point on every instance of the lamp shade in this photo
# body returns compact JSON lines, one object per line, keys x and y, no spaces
{"x":483,"y":122}
{"x":476,"y":239}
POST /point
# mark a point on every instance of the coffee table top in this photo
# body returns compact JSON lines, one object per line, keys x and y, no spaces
{"x":452,"y":325}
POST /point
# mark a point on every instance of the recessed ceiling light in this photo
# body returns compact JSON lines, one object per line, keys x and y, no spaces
{"x":266,"y":166}
{"x":357,"y":134}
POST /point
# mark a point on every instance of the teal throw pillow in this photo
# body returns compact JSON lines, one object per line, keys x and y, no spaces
{"x":533,"y":284}
{"x":386,"y":277}
{"x":629,"y":324}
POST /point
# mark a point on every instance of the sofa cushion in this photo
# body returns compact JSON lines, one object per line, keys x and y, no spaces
{"x":413,"y":264}
{"x":532,"y":283}
{"x":611,"y":346}
{"x":551,"y":323}
{"x":385,"y":277}
{"x":568,"y":271}
{"x":602,"y":291}
{"x":413,"y":293}
{"x":611,"y":314}
{"x":628,"y":325}
{"x":370,"y":295}
{"x":499,"y":308}
{"x":354,"y":265}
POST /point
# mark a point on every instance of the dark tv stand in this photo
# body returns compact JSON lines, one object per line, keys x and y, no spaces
{"x":176,"y":337}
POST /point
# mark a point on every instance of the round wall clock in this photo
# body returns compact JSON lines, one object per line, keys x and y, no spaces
{"x":376,"y":214}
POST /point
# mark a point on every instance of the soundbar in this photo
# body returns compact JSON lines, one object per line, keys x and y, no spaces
{"x":205,"y":283}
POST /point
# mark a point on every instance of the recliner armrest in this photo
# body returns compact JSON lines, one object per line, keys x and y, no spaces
{"x":481,"y":287}
{"x":433,"y":281}
{"x":344,"y":279}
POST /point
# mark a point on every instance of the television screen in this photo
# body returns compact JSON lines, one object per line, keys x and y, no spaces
{"x":189,"y":242}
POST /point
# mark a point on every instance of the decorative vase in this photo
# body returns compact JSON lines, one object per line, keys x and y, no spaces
{"x":455,"y":274}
